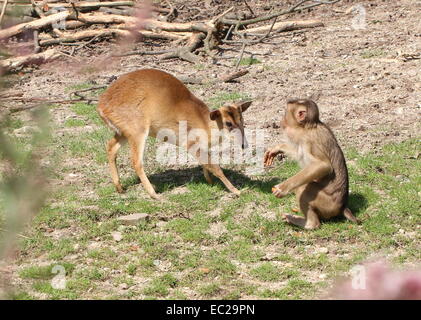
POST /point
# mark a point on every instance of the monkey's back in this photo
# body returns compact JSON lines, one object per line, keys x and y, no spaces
{"x":336,"y":183}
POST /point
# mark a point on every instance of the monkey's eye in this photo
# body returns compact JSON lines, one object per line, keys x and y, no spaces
{"x":228,"y":124}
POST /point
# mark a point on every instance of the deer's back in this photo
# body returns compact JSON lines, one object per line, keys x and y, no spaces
{"x":152,"y":98}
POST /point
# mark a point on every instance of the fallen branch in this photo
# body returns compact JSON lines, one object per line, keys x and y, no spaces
{"x":38,"y":58}
{"x":285,"y":26}
{"x":68,"y":37}
{"x":34,"y":25}
{"x":78,"y":93}
{"x":230,"y":77}
{"x":186,"y":52}
{"x":296,"y":7}
{"x":3,"y":10}
{"x":44,"y":102}
{"x":88,"y":4}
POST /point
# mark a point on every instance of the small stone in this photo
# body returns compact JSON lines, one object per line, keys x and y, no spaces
{"x":156,"y":263}
{"x":94,"y":245}
{"x":124,"y":286}
{"x":121,"y":228}
{"x":323,"y":276}
{"x":133,"y":219}
{"x":25,"y":130}
{"x":161,"y":224}
{"x":323,"y":250}
{"x":260,"y":69}
{"x":117,"y":236}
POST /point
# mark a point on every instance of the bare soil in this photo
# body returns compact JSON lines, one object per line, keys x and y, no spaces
{"x":367,"y":91}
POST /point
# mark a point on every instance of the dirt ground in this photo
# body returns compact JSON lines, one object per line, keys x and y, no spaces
{"x":367,"y":90}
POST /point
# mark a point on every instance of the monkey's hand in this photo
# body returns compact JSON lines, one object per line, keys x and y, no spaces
{"x":270,"y":155}
{"x":280,"y":190}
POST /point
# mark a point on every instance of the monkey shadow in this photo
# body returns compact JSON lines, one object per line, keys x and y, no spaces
{"x":357,"y":203}
{"x":173,"y":178}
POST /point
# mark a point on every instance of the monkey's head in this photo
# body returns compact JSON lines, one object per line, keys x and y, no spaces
{"x":302,"y":113}
{"x":230,"y":117}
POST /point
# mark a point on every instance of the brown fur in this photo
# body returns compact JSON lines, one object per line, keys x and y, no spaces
{"x":321,"y":186}
{"x":140,"y":103}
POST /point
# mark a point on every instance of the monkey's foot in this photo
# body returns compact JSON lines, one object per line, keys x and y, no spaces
{"x":294,"y":219}
{"x":300,"y":221}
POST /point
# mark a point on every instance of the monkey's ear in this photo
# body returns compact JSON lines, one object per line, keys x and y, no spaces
{"x":301,"y":115}
{"x":215,"y":114}
{"x":244,"y":105}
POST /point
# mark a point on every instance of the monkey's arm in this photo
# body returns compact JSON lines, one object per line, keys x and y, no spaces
{"x":270,"y":154}
{"x":315,"y":170}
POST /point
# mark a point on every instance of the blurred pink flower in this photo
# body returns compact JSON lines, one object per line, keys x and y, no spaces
{"x":377,"y":281}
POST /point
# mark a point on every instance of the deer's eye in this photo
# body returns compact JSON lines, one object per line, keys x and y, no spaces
{"x":228,"y":124}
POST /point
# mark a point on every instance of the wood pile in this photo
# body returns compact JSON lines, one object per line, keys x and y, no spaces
{"x":50,"y":23}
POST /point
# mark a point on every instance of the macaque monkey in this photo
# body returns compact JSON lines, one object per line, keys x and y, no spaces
{"x":321,"y":187}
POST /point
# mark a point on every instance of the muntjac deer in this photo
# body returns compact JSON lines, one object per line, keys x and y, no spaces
{"x":141,"y":103}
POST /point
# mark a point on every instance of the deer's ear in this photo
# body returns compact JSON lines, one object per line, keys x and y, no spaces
{"x":215,"y":114}
{"x":244,"y":105}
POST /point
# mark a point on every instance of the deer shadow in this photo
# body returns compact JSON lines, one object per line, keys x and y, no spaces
{"x":174,"y":178}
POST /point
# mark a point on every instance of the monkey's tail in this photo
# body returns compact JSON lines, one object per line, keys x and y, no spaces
{"x":348,"y":214}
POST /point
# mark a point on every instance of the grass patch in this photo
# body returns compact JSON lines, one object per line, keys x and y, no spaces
{"x":72,"y":123}
{"x":373,"y":53}
{"x":212,"y":244}
{"x":160,"y":286}
{"x":248,"y":61}
{"x":221,"y":98}
{"x":266,"y":272}
{"x":44,"y":272}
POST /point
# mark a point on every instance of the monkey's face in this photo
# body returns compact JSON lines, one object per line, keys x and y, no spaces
{"x":295,"y":115}
{"x":230,"y":118}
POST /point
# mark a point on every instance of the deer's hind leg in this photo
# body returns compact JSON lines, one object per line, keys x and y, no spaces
{"x":137,"y":147}
{"x":112,"y":149}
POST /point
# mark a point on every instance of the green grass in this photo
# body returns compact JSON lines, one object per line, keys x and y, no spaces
{"x":266,"y":272}
{"x":372,"y":53}
{"x":218,"y":99}
{"x":200,"y":241}
{"x":71,"y":123}
{"x":88,"y":111}
{"x":160,"y":286}
{"x":248,"y":61}
{"x":44,"y":272}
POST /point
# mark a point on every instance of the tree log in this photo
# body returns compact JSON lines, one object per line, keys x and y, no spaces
{"x":33,"y":25}
{"x":88,"y":4}
{"x":186,"y":52}
{"x":38,"y":58}
{"x":147,"y":24}
{"x":85,"y":34}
